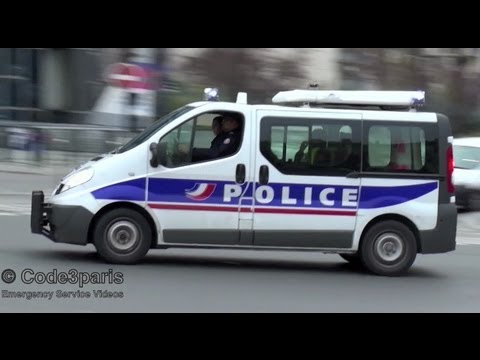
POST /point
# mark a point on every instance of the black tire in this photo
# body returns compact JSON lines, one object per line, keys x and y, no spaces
{"x":473,"y":201}
{"x":353,"y":259}
{"x":388,"y":248}
{"x":122,"y":236}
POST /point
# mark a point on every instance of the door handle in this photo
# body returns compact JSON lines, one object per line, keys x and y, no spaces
{"x":240,"y":174}
{"x":264,"y":175}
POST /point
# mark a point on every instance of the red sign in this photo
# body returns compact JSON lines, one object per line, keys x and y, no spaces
{"x":129,"y":77}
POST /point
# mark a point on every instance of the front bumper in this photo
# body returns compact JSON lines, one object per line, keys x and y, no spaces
{"x":60,"y":223}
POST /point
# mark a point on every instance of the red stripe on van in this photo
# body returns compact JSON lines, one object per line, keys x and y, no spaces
{"x":193,"y":207}
{"x":305,"y":212}
{"x":259,"y":210}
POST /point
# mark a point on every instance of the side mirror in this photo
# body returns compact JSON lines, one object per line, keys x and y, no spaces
{"x":154,"y":160}
{"x":162,"y":153}
{"x":159,"y":154}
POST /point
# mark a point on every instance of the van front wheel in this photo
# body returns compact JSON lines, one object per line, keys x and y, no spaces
{"x":389,"y":248}
{"x":122,"y":236}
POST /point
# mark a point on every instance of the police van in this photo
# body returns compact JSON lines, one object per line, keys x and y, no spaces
{"x":361,"y":174}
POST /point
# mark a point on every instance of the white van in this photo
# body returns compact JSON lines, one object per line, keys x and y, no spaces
{"x":466,"y":155}
{"x":360,"y":174}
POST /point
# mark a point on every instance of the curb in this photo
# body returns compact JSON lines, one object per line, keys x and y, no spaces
{"x":22,"y":173}
{"x":34,"y":170}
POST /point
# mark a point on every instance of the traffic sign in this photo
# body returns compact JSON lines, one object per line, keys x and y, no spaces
{"x":130,"y":77}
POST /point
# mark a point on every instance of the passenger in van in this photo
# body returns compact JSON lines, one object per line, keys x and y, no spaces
{"x":318,"y":151}
{"x":228,"y":143}
{"x":347,"y":158}
{"x":321,"y":158}
{"x":218,"y":132}
{"x":300,"y":155}
{"x":345,"y":149}
{"x":400,"y":159}
{"x":231,"y":126}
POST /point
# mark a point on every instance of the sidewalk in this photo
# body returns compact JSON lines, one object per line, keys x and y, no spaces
{"x":51,"y":163}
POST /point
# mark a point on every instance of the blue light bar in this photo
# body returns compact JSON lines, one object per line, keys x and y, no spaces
{"x":211,"y":94}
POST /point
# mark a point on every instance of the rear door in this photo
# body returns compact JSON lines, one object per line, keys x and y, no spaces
{"x":401,"y":172}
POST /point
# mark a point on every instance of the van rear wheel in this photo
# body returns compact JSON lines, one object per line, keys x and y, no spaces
{"x":388,"y":248}
{"x":122,"y":236}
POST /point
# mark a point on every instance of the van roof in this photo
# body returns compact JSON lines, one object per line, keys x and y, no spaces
{"x":367,"y":114}
{"x":372,"y":105}
{"x":359,"y":99}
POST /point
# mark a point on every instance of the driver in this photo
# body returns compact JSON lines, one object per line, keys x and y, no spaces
{"x":227,"y":143}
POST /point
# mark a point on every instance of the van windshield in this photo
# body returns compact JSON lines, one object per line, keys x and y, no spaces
{"x":466,"y":157}
{"x":152,"y":129}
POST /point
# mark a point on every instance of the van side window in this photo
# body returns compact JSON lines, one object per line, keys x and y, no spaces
{"x":194,"y":141}
{"x":399,"y":148}
{"x":297,"y":146}
{"x":286,"y":140}
{"x":379,"y":146}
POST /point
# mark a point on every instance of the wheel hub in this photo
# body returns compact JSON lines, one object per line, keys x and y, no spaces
{"x":123,"y":235}
{"x":389,"y":247}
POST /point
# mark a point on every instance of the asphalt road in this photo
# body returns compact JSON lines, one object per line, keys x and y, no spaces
{"x":195,"y":281}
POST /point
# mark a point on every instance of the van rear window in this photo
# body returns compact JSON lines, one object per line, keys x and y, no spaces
{"x":400,"y":148}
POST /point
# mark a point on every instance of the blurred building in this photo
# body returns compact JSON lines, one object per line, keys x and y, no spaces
{"x":356,"y":68}
{"x":48,"y":84}
{"x":55,"y":84}
{"x":319,"y":64}
{"x":18,"y":83}
{"x":63,"y":84}
{"x":394,"y":68}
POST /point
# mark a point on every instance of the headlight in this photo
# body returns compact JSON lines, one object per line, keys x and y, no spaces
{"x":77,"y":179}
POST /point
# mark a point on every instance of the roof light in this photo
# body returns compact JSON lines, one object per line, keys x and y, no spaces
{"x":373,"y":98}
{"x":211,"y":94}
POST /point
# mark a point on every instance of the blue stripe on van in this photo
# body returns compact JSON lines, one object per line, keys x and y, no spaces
{"x":133,"y":190}
{"x":374,"y":197}
{"x":176,"y":191}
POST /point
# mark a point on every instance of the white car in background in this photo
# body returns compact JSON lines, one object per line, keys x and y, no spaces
{"x":466,"y":153}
